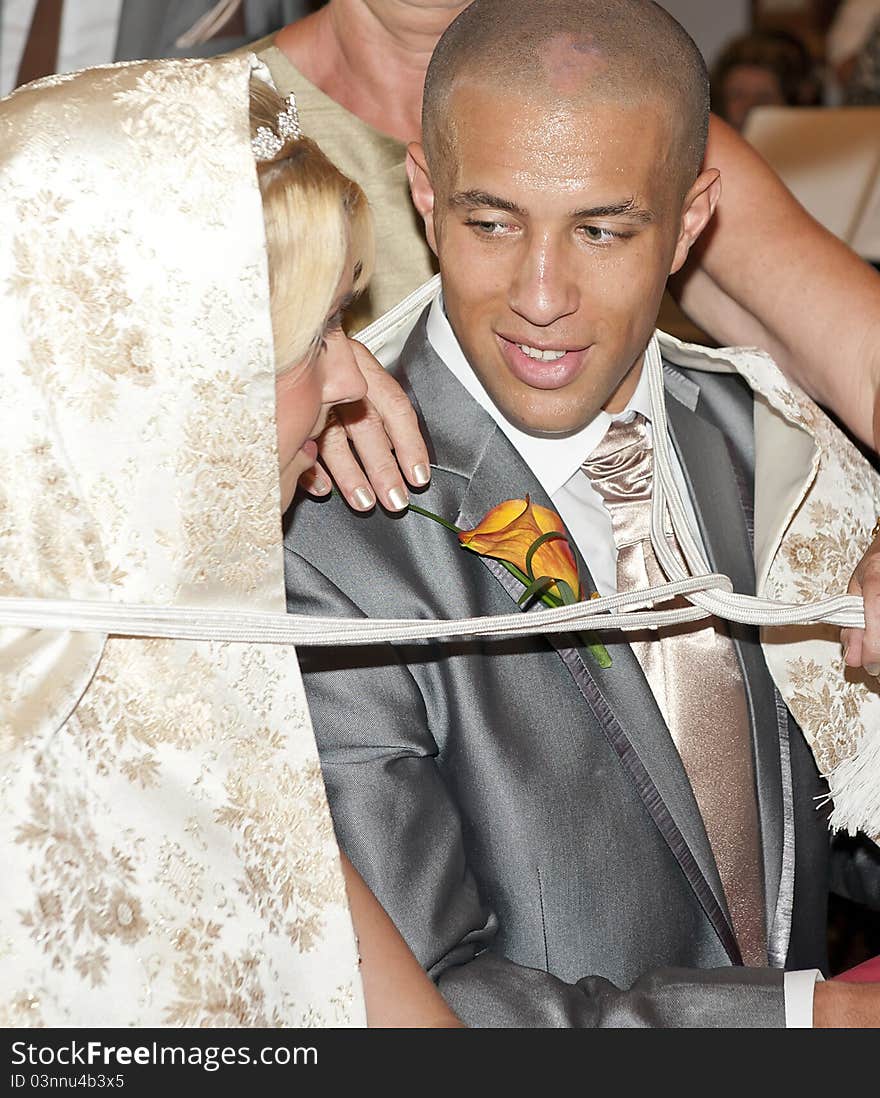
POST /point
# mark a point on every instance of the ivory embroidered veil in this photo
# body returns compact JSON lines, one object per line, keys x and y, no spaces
{"x":168,"y":854}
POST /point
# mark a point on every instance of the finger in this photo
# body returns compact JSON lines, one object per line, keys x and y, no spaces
{"x":315,"y":481}
{"x":398,"y":417}
{"x":365,"y":429}
{"x":870,"y":582}
{"x":851,"y":639}
{"x":851,"y":642}
{"x":350,"y":479}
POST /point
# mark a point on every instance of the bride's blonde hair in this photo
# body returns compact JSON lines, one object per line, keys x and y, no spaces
{"x":317,"y":220}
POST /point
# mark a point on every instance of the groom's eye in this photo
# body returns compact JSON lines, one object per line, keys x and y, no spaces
{"x":597,"y":234}
{"x":488,"y":227}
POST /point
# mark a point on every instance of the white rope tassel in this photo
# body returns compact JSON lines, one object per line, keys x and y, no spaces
{"x":854,"y":788}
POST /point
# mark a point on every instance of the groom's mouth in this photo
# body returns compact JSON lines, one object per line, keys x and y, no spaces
{"x":542,"y":366}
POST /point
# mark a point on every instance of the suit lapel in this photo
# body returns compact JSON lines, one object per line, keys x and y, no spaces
{"x":713,"y":482}
{"x":464,"y":439}
{"x":619,"y":696}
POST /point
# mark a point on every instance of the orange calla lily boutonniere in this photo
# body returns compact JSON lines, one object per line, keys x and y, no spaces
{"x":533,"y":539}
{"x":532,"y":544}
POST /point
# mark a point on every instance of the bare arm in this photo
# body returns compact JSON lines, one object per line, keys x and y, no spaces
{"x":766,"y":274}
{"x":846,"y":1006}
{"x":398,"y":991}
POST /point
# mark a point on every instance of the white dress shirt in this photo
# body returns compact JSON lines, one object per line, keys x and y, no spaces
{"x":556,"y":464}
{"x":88,"y":35}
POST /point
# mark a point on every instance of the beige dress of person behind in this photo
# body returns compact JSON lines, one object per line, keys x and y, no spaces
{"x":378,"y":163}
{"x":168,"y":855}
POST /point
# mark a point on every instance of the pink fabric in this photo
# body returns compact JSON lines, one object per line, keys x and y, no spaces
{"x":866,"y":972}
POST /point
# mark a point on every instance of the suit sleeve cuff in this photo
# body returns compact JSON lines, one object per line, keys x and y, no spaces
{"x":799,"y":987}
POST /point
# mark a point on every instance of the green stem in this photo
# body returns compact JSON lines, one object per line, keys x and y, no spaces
{"x":435,"y":518}
{"x":596,"y":649}
{"x":551,"y":535}
{"x":589,"y":639}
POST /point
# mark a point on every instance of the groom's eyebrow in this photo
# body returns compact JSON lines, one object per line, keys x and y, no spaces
{"x":626,"y":208}
{"x":473,"y":199}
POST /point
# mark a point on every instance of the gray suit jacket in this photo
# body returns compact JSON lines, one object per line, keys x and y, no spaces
{"x":149,"y":28}
{"x":522,"y":814}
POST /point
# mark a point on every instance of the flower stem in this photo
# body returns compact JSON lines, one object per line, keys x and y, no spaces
{"x":436,"y":518}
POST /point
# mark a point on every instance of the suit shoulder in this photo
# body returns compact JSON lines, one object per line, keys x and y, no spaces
{"x":723,"y":397}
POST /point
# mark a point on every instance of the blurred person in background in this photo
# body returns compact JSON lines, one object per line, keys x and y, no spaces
{"x":41,"y":37}
{"x":847,"y":36}
{"x":763,"y":69}
{"x":863,"y":89}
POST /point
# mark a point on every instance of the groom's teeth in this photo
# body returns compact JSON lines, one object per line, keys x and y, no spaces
{"x":544,"y":356}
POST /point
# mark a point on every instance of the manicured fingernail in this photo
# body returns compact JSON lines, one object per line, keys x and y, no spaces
{"x":320,"y":487}
{"x":399,"y":499}
{"x":873,"y":669}
{"x":421,"y":474}
{"x":364,"y":498}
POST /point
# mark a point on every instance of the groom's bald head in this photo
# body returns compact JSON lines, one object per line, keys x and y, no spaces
{"x":559,"y":183}
{"x":569,"y":53}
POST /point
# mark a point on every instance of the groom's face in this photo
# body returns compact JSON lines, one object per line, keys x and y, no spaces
{"x":555,"y":235}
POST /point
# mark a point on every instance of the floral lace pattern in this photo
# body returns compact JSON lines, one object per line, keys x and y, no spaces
{"x":816,"y":536}
{"x":169,"y":857}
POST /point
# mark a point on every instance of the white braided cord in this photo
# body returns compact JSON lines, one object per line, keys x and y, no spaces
{"x":623,"y":611}
{"x":710,"y":594}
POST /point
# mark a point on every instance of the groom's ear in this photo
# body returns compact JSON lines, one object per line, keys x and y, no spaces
{"x":422,"y":189}
{"x":697,"y":211}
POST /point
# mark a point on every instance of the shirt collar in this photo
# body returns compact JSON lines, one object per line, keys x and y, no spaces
{"x":553,"y":460}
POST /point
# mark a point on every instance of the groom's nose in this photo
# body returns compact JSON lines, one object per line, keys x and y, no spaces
{"x":544,"y":288}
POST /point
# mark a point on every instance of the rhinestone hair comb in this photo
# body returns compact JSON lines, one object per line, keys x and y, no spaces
{"x":267,"y":143}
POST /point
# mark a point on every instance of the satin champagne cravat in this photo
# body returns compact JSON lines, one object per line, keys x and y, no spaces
{"x":695,"y":676}
{"x":40,"y":57}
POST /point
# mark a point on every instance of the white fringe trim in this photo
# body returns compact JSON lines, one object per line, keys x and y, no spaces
{"x":854,"y":786}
